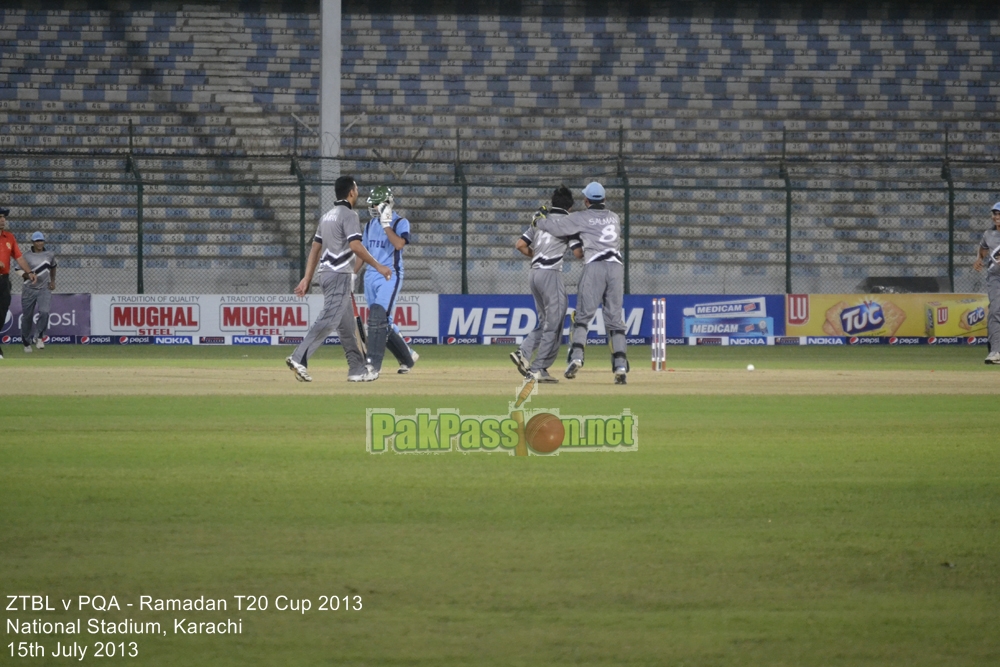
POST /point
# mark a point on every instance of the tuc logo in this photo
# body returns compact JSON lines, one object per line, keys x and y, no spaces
{"x":867,"y":316}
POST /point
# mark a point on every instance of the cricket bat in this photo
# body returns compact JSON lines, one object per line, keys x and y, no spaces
{"x":362,"y":337}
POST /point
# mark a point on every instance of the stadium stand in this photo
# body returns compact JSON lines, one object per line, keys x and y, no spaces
{"x":698,"y":110}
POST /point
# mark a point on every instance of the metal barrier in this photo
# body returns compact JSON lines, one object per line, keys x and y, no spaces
{"x":209,"y":224}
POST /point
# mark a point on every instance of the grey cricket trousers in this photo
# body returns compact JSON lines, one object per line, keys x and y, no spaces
{"x":602,"y":284}
{"x":32,"y":298}
{"x":337,"y":314}
{"x":550,"y":304}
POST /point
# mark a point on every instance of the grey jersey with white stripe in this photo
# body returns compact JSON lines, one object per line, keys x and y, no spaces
{"x":547,"y":250}
{"x":991,"y":241}
{"x":40,"y":263}
{"x":337,"y":228}
{"x":599,"y":229}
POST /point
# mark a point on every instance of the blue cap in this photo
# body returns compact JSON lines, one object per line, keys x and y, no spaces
{"x":37,"y":236}
{"x":996,"y":207}
{"x":594,"y":192}
{"x":4,"y":212}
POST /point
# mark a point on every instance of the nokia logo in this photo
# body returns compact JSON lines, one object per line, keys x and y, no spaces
{"x":757,"y":340}
{"x":251,"y":340}
{"x":172,"y":340}
{"x":824,"y":340}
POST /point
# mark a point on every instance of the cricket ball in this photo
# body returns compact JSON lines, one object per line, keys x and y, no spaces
{"x":544,"y":433}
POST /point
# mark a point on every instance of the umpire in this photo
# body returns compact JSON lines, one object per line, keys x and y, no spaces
{"x":603,"y":279}
{"x":8,"y":251}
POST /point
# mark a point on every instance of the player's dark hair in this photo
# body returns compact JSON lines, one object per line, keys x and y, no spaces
{"x":562,"y":198}
{"x":343,"y":186}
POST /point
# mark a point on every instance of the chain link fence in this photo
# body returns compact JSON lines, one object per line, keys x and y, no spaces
{"x":203,"y":224}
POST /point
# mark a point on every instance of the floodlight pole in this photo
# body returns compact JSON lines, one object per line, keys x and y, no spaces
{"x":783,"y":173}
{"x":297,"y":172}
{"x":132,"y":168}
{"x":946,"y":175}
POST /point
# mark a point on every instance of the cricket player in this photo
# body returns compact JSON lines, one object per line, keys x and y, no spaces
{"x":546,"y":281}
{"x":989,"y":256}
{"x":336,"y":243}
{"x":37,"y":294}
{"x":9,"y":251}
{"x":603,"y":279}
{"x":385,"y":236}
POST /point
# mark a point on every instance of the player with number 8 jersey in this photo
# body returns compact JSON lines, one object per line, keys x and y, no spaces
{"x":603,"y":279}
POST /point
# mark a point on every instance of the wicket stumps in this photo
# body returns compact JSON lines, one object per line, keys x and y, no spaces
{"x":659,"y":334}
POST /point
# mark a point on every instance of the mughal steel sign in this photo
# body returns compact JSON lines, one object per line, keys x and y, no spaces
{"x":154,"y":320}
{"x":264,"y":320}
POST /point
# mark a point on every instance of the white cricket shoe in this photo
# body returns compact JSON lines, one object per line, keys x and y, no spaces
{"x":574,"y":366}
{"x":40,"y":344}
{"x":992,"y":358}
{"x":621,"y":376}
{"x":369,"y":374}
{"x":521,"y":362}
{"x":301,"y":373}
{"x":27,"y":348}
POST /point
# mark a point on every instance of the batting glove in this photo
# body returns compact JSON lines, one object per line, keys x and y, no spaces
{"x":385,"y":214}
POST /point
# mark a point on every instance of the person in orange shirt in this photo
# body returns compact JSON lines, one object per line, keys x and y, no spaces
{"x":8,"y":251}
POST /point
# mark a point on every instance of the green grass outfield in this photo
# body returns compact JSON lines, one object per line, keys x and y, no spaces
{"x":746,"y":530}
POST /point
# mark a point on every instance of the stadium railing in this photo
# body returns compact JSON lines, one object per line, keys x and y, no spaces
{"x":696,"y":225}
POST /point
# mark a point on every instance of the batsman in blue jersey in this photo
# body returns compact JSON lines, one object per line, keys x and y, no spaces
{"x":385,"y":236}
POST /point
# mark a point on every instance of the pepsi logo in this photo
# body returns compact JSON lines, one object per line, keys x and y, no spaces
{"x":84,"y":340}
{"x":931,"y":340}
{"x":6,"y":339}
{"x":893,"y":340}
{"x":853,"y":340}
{"x":450,"y":340}
{"x":123,"y":340}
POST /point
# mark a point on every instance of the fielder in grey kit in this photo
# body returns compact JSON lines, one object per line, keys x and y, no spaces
{"x":989,"y":256}
{"x":37,"y":294}
{"x":337,"y":240}
{"x":546,"y":252}
{"x":603,"y":279}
